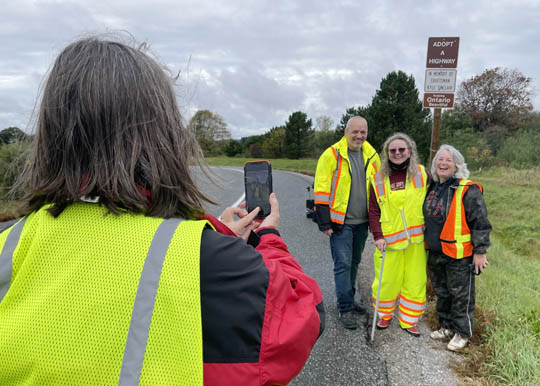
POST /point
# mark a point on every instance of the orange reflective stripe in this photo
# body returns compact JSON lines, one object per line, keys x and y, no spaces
{"x":412,"y":301}
{"x":387,"y":303}
{"x":321,"y":198}
{"x":401,"y":312}
{"x":408,"y":320}
{"x":379,"y":187}
{"x":385,"y":309}
{"x":334,"y":152}
{"x":456,"y":234}
{"x":413,"y":312}
{"x":337,"y":217}
{"x":418,"y":180}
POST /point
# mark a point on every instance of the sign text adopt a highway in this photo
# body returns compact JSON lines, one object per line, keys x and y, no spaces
{"x":441,"y":71}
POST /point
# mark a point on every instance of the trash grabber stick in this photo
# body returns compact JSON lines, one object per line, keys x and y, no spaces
{"x":378,"y":296}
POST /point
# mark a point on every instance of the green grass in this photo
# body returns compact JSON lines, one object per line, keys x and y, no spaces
{"x":506,"y":345}
{"x":513,"y":197}
{"x":305,"y":166}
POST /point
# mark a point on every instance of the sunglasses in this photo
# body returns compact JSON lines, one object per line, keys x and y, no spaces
{"x":400,"y":150}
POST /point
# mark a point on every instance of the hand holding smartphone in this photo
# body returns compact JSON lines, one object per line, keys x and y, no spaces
{"x":258,"y":186}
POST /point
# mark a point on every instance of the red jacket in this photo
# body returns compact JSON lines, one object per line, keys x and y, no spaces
{"x":259,"y":329}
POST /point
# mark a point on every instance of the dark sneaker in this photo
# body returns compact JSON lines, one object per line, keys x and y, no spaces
{"x":358,"y":309}
{"x":348,"y":320}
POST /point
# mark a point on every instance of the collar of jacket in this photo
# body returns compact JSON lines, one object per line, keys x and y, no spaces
{"x":342,"y":147}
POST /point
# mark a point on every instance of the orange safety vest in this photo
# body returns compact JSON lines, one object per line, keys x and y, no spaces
{"x":456,"y":236}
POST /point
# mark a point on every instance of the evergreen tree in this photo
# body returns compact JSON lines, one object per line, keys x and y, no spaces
{"x":298,"y":131}
{"x":397,"y":107}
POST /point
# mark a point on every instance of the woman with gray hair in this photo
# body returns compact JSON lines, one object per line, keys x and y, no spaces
{"x":396,"y":221}
{"x":457,"y":237}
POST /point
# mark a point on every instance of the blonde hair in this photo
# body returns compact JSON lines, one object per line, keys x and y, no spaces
{"x":412,"y":169}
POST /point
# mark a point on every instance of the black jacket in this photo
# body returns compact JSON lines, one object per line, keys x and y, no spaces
{"x":437,"y":204}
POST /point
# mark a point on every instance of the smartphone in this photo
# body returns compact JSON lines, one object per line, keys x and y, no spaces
{"x":258,"y":185}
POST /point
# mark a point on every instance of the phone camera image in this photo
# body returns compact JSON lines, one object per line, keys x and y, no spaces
{"x":258,"y":186}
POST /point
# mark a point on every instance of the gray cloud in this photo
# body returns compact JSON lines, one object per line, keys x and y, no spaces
{"x":256,"y":63}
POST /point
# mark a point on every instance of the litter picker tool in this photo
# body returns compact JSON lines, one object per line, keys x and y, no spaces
{"x":378,"y":296}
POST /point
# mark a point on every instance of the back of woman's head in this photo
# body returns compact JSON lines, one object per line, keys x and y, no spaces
{"x":109,"y":127}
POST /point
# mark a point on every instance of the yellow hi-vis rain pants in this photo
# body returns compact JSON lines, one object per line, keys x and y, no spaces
{"x":404,"y":271}
{"x":404,"y":277}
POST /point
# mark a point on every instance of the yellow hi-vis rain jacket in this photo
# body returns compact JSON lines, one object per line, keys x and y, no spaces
{"x":91,"y":298}
{"x":333,"y":182}
{"x":401,"y":225}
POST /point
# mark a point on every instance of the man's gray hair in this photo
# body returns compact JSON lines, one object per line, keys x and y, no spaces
{"x":355,"y":117}
{"x":461,"y":167}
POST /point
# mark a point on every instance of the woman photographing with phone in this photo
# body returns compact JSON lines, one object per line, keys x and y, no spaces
{"x":457,"y":237}
{"x":115,"y":275}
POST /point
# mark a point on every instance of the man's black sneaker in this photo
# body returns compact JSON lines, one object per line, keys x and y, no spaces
{"x":348,"y":320}
{"x":359,"y":309}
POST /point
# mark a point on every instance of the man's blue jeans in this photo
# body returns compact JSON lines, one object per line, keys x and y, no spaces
{"x":347,"y":248}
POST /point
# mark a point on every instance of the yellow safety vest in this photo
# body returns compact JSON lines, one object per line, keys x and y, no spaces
{"x":401,"y":225}
{"x":91,"y":298}
{"x":332,"y":184}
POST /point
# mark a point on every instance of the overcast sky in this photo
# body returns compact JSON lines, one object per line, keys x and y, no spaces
{"x":256,"y":62}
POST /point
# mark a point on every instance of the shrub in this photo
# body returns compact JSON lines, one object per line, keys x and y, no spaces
{"x":519,"y":151}
{"x":12,"y":161}
{"x":473,"y":146}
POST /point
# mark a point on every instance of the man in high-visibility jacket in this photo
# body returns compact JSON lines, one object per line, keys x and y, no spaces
{"x":341,"y":192}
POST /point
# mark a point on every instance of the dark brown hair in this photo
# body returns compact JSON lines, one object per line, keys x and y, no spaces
{"x":109,"y":127}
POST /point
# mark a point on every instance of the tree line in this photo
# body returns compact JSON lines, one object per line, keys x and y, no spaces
{"x":492,"y":122}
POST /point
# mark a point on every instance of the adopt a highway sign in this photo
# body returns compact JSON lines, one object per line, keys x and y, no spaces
{"x":441,"y":72}
{"x":440,"y":80}
{"x":442,"y":52}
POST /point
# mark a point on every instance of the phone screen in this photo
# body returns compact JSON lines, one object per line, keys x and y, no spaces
{"x":258,"y":185}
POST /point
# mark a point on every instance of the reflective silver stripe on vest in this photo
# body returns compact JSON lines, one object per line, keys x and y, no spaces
{"x":418,"y":183}
{"x":334,"y":180}
{"x":143,"y":307}
{"x":337,"y":217}
{"x":379,"y":184}
{"x":6,"y":257}
{"x":321,"y":198}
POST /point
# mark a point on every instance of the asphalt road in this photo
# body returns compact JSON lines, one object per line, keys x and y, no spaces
{"x":340,"y":357}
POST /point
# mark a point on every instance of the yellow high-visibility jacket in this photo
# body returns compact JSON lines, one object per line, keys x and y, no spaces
{"x":401,"y":225}
{"x":91,"y":298}
{"x":333,"y":182}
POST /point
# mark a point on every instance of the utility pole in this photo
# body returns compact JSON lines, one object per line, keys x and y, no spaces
{"x":435,"y":134}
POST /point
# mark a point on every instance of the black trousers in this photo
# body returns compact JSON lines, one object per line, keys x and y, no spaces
{"x":453,"y":283}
